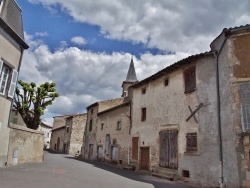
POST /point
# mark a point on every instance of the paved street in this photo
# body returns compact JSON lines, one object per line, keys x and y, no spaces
{"x":63,"y":171}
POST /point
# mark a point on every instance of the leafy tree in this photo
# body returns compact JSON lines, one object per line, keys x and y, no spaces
{"x":37,"y":98}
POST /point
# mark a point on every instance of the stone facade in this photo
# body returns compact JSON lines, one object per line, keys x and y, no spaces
{"x":113,"y":126}
{"x":90,"y":142}
{"x":74,"y":133}
{"x":12,"y":46}
{"x":57,"y":135}
{"x":25,"y":146}
{"x":177,"y":129}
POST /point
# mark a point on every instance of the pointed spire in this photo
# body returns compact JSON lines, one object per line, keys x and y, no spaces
{"x":131,"y":76}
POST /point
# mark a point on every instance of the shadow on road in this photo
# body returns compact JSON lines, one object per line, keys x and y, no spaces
{"x":137,"y":176}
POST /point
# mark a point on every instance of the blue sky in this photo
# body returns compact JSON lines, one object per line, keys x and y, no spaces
{"x":85,"y":46}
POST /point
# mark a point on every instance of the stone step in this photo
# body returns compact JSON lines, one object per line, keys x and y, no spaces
{"x":169,"y":176}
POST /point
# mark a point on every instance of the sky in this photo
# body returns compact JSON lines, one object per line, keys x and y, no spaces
{"x":85,"y":46}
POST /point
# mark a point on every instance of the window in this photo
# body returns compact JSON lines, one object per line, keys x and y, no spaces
{"x":107,"y":144}
{"x":191,"y":142}
{"x":5,"y":82}
{"x":143,"y":91}
{"x":102,"y":125}
{"x":245,"y":105}
{"x":143,"y":114}
{"x":190,"y":79}
{"x":166,"y":82}
{"x":119,"y":125}
{"x":90,"y":125}
{"x":67,"y":129}
{"x":92,"y":110}
{"x":47,"y":135}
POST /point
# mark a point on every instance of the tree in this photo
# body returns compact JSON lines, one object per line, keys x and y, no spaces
{"x":37,"y":98}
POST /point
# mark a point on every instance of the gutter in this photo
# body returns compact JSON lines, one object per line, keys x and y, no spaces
{"x":216,"y":55}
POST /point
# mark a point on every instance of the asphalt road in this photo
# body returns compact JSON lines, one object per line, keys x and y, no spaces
{"x":63,"y":171}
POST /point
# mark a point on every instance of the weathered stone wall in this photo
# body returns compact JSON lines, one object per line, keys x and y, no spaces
{"x":10,"y":53}
{"x":28,"y":142}
{"x":90,"y":136}
{"x":236,"y":58}
{"x":167,"y":109}
{"x":58,"y":131}
{"x":77,"y":133}
{"x":122,"y":137}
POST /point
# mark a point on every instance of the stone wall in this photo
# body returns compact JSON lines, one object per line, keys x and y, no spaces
{"x":77,"y":133}
{"x":107,"y":124}
{"x":25,"y":145}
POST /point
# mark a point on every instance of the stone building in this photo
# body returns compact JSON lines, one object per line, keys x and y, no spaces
{"x":57,"y":135}
{"x":109,"y":124}
{"x":74,"y":133}
{"x":12,"y":45}
{"x":47,"y":130}
{"x":191,"y":119}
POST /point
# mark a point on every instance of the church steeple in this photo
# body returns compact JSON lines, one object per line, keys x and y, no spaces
{"x":131,"y":76}
{"x":130,"y":79}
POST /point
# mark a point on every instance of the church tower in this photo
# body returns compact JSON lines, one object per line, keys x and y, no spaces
{"x":130,"y":79}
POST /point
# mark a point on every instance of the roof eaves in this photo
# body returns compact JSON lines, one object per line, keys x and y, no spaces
{"x":171,"y":68}
{"x":113,"y":108}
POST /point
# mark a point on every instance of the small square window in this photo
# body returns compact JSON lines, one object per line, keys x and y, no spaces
{"x":143,"y":91}
{"x":119,"y":125}
{"x":191,"y":142}
{"x":143,"y":114}
{"x":166,"y":82}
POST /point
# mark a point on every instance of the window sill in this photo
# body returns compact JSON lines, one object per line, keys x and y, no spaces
{"x":195,"y":153}
{"x":191,"y":91}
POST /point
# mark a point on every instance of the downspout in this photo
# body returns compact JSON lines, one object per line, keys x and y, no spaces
{"x":216,"y":55}
{"x":130,"y":127}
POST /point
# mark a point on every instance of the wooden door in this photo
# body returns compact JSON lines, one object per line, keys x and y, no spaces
{"x":99,"y":153}
{"x":91,"y":148}
{"x":114,"y":156}
{"x":135,"y":148}
{"x":169,"y":149}
{"x":144,"y":164}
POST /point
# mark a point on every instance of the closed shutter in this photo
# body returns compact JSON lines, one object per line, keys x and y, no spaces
{"x":13,"y":84}
{"x":135,"y":148}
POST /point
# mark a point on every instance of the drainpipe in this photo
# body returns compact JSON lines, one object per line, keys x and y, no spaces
{"x":216,"y":55}
{"x":130,"y":127}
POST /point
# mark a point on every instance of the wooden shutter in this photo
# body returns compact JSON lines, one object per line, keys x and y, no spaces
{"x":13,"y":84}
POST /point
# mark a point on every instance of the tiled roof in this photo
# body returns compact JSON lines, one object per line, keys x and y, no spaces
{"x":115,"y":107}
{"x":171,"y":68}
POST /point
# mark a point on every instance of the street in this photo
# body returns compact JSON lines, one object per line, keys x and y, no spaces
{"x":63,"y":171}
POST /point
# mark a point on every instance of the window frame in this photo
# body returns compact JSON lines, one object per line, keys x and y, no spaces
{"x":2,"y":66}
{"x":119,"y":125}
{"x":191,"y":142}
{"x":143,"y":114}
{"x":189,"y":75}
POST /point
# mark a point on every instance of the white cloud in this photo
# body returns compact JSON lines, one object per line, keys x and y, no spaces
{"x":41,"y":34}
{"x":179,"y":26}
{"x":84,"y":77}
{"x":79,"y":40}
